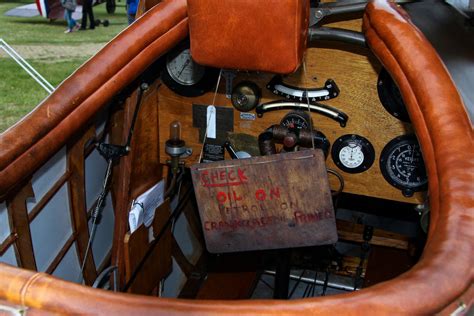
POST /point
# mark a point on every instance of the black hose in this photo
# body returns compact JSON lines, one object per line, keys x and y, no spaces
{"x":336,"y":34}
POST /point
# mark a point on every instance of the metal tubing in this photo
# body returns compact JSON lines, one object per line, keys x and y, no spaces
{"x":26,"y":66}
{"x":24,"y":62}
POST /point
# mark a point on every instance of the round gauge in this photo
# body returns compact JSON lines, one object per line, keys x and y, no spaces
{"x":296,"y":120}
{"x":183,"y":69}
{"x":245,"y":96}
{"x":353,"y":153}
{"x":402,"y":165}
{"x":184,"y":76}
{"x":390,"y":97}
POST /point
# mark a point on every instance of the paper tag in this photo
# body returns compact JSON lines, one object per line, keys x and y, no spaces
{"x":143,"y":208}
{"x":135,"y":217}
{"x":211,"y":121}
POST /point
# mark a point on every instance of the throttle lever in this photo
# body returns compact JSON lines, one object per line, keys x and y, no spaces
{"x":290,"y":138}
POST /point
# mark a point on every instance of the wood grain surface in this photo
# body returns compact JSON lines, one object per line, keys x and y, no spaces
{"x":355,"y":71}
{"x":271,"y":202}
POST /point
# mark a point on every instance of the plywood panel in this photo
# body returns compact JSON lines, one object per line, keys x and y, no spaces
{"x":355,"y":71}
{"x":150,"y":261}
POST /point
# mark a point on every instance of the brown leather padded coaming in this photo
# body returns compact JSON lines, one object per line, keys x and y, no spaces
{"x":443,"y":274}
{"x":46,"y":129}
{"x":262,"y":35}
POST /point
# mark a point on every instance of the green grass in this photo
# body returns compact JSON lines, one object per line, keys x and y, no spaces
{"x":38,"y":30}
{"x":19,"y":93}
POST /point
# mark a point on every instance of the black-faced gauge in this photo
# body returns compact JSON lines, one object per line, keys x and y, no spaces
{"x":353,"y":153}
{"x":390,"y":96}
{"x":402,"y":165}
{"x":329,"y":91}
{"x":245,"y":96}
{"x":186,"y":77}
{"x":323,"y":109}
{"x":296,"y":120}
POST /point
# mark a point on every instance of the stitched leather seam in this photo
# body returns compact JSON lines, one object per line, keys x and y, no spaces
{"x":26,"y":286}
{"x":418,"y":109}
{"x":370,"y":26}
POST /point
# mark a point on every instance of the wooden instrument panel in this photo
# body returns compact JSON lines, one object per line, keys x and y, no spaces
{"x":354,"y":70}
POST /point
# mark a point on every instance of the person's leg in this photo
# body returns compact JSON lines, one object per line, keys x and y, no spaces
{"x":91,"y":16}
{"x":68,"y":18}
{"x":131,"y":18}
{"x":84,"y":15}
{"x":72,"y":23}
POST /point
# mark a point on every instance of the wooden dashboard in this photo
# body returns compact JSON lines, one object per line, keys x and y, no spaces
{"x":354,"y":69}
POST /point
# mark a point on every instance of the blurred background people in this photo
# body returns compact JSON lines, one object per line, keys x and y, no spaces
{"x":69,"y":7}
{"x":132,"y":6}
{"x":87,"y":12}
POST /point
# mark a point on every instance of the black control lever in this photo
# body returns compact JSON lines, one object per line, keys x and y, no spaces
{"x":325,"y":110}
{"x":235,"y":154}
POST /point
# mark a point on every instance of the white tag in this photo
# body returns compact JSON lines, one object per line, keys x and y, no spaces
{"x":146,"y":204}
{"x":211,"y":121}
{"x":135,"y":217}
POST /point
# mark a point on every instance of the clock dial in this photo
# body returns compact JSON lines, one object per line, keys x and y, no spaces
{"x":351,"y":156}
{"x":353,"y":153}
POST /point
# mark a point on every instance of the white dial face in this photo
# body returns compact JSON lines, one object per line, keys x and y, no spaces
{"x":183,"y":69}
{"x":351,"y":156}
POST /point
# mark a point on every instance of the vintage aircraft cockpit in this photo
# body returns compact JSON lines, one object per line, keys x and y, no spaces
{"x":251,"y":157}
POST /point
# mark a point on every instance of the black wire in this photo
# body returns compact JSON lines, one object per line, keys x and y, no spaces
{"x":325,"y":286}
{"x":314,"y":283}
{"x":296,"y":284}
{"x":143,"y":87}
{"x":341,"y":181}
{"x":266,"y":283}
{"x":306,"y":290}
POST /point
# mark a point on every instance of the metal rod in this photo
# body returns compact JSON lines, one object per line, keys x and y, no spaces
{"x":102,"y":276}
{"x":26,"y":66}
{"x":18,"y":56}
{"x":312,"y":280}
{"x":95,"y":215}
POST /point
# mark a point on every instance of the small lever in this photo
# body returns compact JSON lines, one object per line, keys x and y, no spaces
{"x":235,"y":154}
